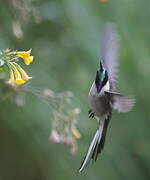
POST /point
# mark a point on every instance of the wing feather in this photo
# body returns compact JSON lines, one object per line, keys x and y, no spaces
{"x":109,"y":54}
{"x":121,"y":103}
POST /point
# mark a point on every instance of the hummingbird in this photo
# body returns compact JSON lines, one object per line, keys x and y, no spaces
{"x":103,"y":96}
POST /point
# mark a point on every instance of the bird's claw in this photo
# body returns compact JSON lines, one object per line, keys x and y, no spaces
{"x":91,"y":114}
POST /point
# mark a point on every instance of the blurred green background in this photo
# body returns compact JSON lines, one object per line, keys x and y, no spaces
{"x":65,"y":39}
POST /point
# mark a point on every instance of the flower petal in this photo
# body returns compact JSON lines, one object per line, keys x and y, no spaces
{"x":76,"y":133}
{"x":24,"y":75}
{"x":54,"y":137}
{"x":11,"y":77}
{"x":25,"y":55}
{"x":18,"y":79}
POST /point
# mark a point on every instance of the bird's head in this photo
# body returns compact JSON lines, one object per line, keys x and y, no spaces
{"x":101,"y":78}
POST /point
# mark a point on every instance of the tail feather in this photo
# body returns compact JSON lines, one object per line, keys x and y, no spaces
{"x":91,"y":149}
{"x":96,"y":145}
{"x":100,"y":146}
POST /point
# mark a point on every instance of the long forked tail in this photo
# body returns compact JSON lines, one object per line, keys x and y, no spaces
{"x":96,"y":145}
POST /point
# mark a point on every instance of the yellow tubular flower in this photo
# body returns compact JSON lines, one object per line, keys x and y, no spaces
{"x":75,"y":133}
{"x":12,"y":77}
{"x":18,"y":78}
{"x":25,"y":55}
{"x":24,"y":75}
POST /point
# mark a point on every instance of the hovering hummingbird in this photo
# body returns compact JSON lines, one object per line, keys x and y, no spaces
{"x":103,"y":97}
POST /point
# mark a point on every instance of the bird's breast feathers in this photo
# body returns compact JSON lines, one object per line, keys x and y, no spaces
{"x":98,"y":101}
{"x":93,"y":90}
{"x":105,"y":88}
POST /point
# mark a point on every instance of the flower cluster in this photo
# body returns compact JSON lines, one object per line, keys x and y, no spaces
{"x":64,"y":129}
{"x":9,"y":61}
{"x":23,"y":11}
{"x":64,"y":123}
{"x":65,"y":117}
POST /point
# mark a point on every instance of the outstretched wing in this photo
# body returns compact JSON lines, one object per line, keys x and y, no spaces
{"x":109,"y":54}
{"x":121,"y":103}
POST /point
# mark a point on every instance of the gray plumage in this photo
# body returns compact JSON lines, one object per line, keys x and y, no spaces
{"x":109,"y":54}
{"x":103,"y":97}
